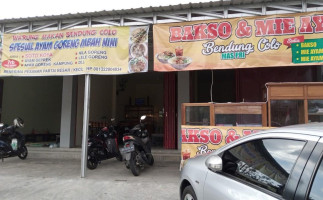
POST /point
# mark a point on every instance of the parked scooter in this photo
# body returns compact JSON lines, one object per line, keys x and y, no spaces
{"x":12,"y":142}
{"x":103,"y":145}
{"x":137,"y":148}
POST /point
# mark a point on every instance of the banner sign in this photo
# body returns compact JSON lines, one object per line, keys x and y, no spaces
{"x":197,"y":140}
{"x":95,"y":50}
{"x":1,"y":36}
{"x":261,"y":41}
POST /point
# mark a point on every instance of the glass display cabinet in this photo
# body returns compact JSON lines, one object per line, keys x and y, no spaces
{"x":294,"y":103}
{"x":225,"y":114}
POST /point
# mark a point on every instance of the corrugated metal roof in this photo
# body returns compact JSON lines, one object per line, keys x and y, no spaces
{"x":134,"y":11}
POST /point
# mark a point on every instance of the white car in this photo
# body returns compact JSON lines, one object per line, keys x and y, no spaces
{"x":280,"y":163}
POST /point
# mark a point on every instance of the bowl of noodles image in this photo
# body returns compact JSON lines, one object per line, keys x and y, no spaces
{"x":180,"y":62}
{"x":165,"y":56}
{"x":139,"y":64}
{"x":139,"y":35}
{"x":138,"y":50}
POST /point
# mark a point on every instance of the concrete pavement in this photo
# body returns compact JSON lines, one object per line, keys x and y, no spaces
{"x":52,"y":178}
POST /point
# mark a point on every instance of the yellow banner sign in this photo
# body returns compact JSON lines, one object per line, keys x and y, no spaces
{"x":97,"y":50}
{"x":0,"y":47}
{"x":197,"y":140}
{"x":262,"y":41}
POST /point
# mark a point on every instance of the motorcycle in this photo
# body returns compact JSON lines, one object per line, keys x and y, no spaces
{"x":12,"y":142}
{"x":137,"y":148}
{"x":103,"y":145}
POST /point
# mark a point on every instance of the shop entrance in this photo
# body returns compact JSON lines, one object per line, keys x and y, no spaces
{"x":142,"y":94}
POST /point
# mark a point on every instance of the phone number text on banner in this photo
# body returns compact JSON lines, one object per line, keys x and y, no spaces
{"x":262,"y":41}
{"x":96,"y":50}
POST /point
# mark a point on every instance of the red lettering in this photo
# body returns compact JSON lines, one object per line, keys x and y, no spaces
{"x":204,"y":136}
{"x":279,"y":29}
{"x":231,"y":136}
{"x":192,"y":136}
{"x":215,"y":136}
{"x":288,"y":25}
{"x":264,"y":27}
{"x":243,"y":30}
{"x":306,"y":26}
{"x":175,"y":34}
{"x":199,"y":32}
{"x":225,"y":30}
{"x":246,"y":132}
{"x":184,"y":138}
{"x":188,"y":35}
{"x":318,"y":20}
{"x":212,"y":31}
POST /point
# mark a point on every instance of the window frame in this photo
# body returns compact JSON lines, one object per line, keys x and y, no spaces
{"x":307,"y":178}
{"x":295,"y":174}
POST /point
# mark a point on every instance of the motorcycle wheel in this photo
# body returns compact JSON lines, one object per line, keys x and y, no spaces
{"x":92,"y":162}
{"x":135,"y":169}
{"x":119,"y":157}
{"x":23,"y":153}
{"x":151,"y":160}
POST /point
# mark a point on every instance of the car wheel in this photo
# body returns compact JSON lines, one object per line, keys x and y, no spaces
{"x":188,"y":193}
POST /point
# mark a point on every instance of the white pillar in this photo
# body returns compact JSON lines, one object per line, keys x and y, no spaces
{"x":183,"y":96}
{"x":85,"y":123}
{"x":68,"y":114}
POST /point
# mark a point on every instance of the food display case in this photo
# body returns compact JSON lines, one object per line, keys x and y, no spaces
{"x":294,"y":103}
{"x":225,"y":114}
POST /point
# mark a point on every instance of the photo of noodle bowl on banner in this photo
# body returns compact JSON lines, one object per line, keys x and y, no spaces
{"x":176,"y":60}
{"x":138,"y":50}
{"x":139,"y":64}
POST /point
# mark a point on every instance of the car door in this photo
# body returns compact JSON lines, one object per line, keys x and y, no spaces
{"x":259,"y":168}
{"x":311,"y":183}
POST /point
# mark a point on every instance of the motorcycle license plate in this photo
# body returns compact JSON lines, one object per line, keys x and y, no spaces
{"x":14,"y":143}
{"x":127,"y":149}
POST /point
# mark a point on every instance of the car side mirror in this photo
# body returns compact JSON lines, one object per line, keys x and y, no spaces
{"x":214,"y":163}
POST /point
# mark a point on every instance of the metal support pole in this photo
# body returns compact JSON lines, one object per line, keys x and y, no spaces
{"x":86,"y":111}
{"x":85,"y":123}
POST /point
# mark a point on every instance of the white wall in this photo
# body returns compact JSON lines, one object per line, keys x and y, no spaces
{"x":35,"y":99}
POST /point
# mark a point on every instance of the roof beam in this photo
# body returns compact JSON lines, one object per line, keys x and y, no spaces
{"x":210,"y":14}
{"x":173,"y":17}
{"x":74,"y":24}
{"x":248,"y":11}
{"x":107,"y":22}
{"x":44,"y":26}
{"x":17,"y":28}
{"x":139,"y":20}
{"x":320,"y":3}
{"x":288,"y":8}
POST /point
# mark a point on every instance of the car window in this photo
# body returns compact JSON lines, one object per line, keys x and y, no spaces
{"x":317,"y":186}
{"x":266,"y":163}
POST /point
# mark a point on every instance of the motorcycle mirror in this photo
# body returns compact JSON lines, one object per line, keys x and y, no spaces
{"x":1,"y":125}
